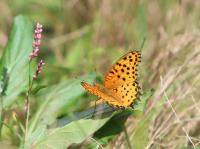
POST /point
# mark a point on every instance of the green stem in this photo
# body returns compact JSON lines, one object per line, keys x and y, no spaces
{"x":27,"y":105}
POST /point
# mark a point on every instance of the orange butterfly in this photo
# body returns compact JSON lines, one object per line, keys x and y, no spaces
{"x":120,"y":88}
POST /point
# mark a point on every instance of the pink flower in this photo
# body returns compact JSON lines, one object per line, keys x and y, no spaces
{"x":39,"y":69}
{"x":37,"y":41}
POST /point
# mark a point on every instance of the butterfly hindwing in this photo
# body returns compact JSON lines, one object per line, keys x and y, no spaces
{"x":127,"y":93}
{"x":103,"y":93}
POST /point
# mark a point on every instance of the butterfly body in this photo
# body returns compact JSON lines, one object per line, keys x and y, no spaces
{"x":120,"y":88}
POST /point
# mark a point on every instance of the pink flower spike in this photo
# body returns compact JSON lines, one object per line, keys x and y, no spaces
{"x":37,"y":41}
{"x":39,"y":69}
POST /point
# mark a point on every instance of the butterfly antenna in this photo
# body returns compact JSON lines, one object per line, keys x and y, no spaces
{"x":142,"y":45}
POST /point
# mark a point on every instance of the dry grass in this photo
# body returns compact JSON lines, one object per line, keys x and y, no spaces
{"x":176,"y":100}
{"x":171,"y":65}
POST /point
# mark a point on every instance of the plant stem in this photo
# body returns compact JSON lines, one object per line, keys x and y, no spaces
{"x":27,"y":105}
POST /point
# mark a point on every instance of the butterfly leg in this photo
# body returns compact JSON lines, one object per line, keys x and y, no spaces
{"x":95,"y":106}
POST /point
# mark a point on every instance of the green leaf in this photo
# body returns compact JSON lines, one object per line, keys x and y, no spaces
{"x":59,"y":99}
{"x":119,"y":119}
{"x":143,"y":101}
{"x":15,"y":58}
{"x":36,"y":136}
{"x":75,"y":132}
{"x":64,"y":95}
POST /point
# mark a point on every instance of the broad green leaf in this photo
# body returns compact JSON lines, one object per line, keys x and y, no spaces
{"x":105,"y":109}
{"x":59,"y":99}
{"x":75,"y":132}
{"x":36,"y":136}
{"x":15,"y":58}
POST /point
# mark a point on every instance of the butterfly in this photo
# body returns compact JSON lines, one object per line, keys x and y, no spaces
{"x":120,"y":87}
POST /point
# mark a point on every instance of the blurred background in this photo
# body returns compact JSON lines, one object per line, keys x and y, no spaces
{"x":86,"y":36}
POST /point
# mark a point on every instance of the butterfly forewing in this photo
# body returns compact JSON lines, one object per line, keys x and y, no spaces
{"x":124,"y":70}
